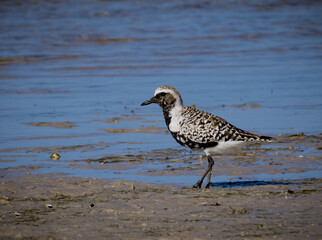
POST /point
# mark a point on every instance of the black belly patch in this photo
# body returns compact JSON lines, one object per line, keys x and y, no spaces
{"x":209,"y":145}
{"x":184,"y":141}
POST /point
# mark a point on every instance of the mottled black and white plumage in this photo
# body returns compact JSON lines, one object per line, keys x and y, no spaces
{"x":197,"y":129}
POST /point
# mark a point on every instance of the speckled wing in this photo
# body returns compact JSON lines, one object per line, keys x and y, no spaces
{"x":203,"y":128}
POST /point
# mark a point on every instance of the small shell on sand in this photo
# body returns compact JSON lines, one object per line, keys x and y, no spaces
{"x":55,"y":156}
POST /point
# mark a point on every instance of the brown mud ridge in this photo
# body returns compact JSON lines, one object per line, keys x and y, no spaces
{"x":151,"y":129}
{"x":42,"y":207}
{"x":65,"y":124}
{"x":245,"y":105}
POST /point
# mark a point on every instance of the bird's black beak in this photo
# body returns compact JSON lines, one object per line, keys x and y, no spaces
{"x":147,"y":102}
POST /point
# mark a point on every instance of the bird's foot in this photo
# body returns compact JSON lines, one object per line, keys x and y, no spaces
{"x":208,"y":185}
{"x":197,"y":185}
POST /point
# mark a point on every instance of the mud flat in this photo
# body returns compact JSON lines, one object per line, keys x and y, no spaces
{"x":54,"y":207}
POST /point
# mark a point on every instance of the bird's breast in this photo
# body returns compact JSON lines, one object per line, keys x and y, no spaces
{"x":175,"y":118}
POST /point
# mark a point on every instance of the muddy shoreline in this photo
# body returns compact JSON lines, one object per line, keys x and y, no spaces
{"x":53,"y":207}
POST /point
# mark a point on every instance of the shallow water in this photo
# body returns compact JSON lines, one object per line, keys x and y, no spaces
{"x":89,"y":62}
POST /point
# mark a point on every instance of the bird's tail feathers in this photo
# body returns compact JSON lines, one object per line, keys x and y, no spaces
{"x":265,"y":138}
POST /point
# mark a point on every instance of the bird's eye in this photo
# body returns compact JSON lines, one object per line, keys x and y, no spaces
{"x":159,"y":95}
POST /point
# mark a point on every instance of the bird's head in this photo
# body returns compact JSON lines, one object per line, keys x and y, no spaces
{"x":166,"y":97}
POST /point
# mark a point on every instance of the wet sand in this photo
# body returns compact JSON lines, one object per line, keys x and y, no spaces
{"x":55,"y":207}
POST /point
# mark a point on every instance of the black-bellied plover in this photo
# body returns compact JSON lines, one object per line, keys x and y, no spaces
{"x":197,"y":129}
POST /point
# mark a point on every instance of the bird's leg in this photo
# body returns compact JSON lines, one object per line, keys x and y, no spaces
{"x":209,"y":169}
{"x":210,"y":162}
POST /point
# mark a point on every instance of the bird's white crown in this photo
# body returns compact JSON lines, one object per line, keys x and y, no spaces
{"x":168,"y":89}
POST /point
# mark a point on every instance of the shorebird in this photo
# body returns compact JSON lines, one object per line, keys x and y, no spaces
{"x":197,"y":129}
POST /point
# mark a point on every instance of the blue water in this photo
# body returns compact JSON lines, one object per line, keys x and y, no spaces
{"x":93,"y":60}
